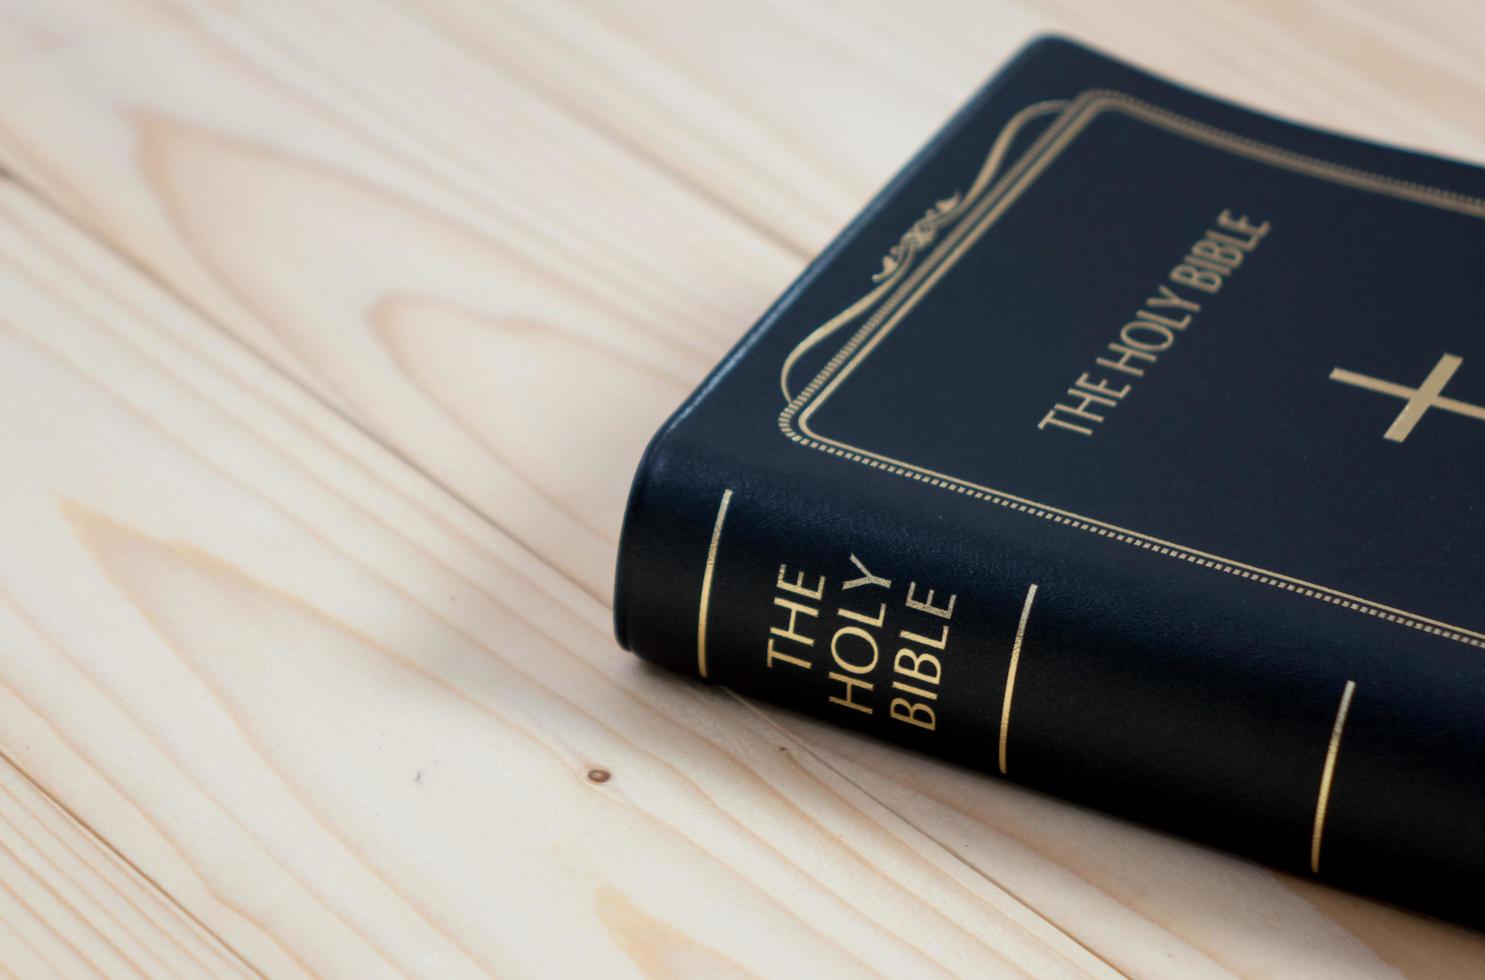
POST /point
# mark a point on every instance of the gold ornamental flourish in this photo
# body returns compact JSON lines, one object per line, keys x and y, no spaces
{"x":924,"y":232}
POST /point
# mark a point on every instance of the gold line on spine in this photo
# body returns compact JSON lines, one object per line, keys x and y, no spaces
{"x":1010,"y":677}
{"x":1328,"y":774}
{"x":706,"y":583}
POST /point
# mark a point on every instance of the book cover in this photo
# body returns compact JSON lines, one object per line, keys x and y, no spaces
{"x":1130,"y":445}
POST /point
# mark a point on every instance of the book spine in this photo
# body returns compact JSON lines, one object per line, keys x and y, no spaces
{"x":1168,"y":699}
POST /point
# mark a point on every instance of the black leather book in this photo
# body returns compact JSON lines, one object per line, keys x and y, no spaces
{"x":1130,"y":445}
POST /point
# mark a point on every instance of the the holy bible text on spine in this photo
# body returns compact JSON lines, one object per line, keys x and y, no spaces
{"x":1130,"y":445}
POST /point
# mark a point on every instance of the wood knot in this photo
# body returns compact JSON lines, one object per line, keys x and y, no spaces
{"x":599,"y":775}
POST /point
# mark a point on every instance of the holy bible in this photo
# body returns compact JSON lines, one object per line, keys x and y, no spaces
{"x":1130,"y":445}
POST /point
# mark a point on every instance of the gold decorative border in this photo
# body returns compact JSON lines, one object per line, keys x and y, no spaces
{"x":977,"y":212}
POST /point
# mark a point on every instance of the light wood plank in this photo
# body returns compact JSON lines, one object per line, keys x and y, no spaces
{"x":352,"y":729}
{"x":379,"y":246}
{"x":105,"y":896}
{"x":849,"y":89}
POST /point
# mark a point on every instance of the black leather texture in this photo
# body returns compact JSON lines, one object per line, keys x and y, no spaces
{"x":1232,"y":587}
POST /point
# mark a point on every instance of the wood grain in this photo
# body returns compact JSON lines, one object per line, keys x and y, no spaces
{"x":355,"y":730}
{"x":331,"y":335}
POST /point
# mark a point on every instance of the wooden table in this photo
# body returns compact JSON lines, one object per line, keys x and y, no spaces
{"x":330,"y":334}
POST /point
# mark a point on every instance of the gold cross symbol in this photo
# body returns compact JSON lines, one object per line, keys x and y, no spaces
{"x":1419,"y":400}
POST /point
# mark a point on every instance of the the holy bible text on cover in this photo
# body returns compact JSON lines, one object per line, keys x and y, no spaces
{"x":1130,"y":445}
